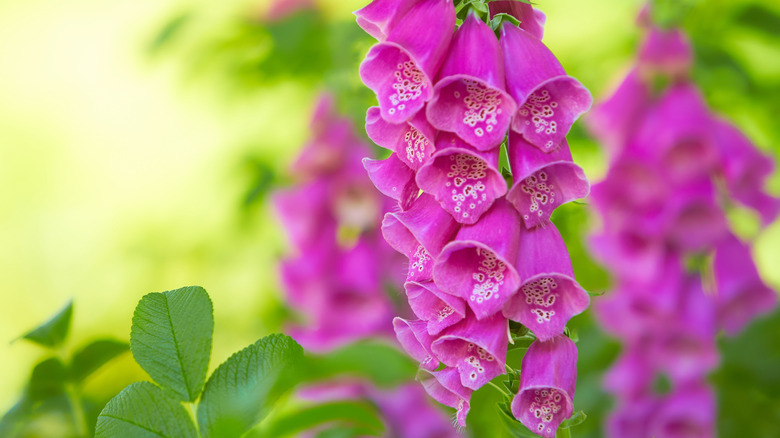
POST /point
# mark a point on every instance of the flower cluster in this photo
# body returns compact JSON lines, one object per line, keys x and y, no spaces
{"x":681,"y":276}
{"x":334,"y":279}
{"x":480,"y":253}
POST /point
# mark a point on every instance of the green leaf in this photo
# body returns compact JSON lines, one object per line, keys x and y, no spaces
{"x":495,"y":22}
{"x":514,"y":427}
{"x":575,"y":420}
{"x":47,"y":380}
{"x":361,"y":415}
{"x":378,"y":362}
{"x":93,"y":356}
{"x":245,"y":387}
{"x":144,"y":410}
{"x":171,"y":339}
{"x":54,"y":331}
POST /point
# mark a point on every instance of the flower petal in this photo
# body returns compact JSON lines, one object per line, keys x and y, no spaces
{"x":393,"y":179}
{"x":476,"y":347}
{"x":415,"y":340}
{"x":412,"y":141}
{"x":542,"y":181}
{"x":439,"y":309}
{"x":464,"y":181}
{"x":479,"y":264}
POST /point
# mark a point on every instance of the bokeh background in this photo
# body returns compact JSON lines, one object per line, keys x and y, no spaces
{"x":139,"y":140}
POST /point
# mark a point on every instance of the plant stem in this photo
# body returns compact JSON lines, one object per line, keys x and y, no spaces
{"x":193,"y":415}
{"x":79,"y":420}
{"x":563,"y":433}
{"x":499,"y":389}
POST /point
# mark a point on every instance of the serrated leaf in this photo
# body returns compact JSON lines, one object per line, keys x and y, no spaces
{"x":93,"y":356}
{"x":357,"y":414}
{"x":171,"y":339}
{"x":47,"y":380}
{"x":54,"y":331}
{"x":575,"y":420}
{"x":144,"y":410}
{"x":244,"y":388}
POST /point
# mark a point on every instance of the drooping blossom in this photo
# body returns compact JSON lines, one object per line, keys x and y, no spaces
{"x":480,"y":253}
{"x":680,"y":275}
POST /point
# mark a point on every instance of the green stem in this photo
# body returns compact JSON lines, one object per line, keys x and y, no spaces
{"x":563,"y":433}
{"x":499,"y":389}
{"x":79,"y":420}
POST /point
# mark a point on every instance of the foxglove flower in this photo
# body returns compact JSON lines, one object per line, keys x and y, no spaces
{"x":479,"y":264}
{"x":394,"y":179}
{"x":542,"y":181}
{"x":379,"y":17}
{"x":687,"y":413}
{"x":464,"y":181}
{"x":414,"y":338}
{"x":476,"y":347}
{"x":741,"y":294}
{"x":446,"y":388}
{"x":746,"y":171}
{"x":666,"y":51}
{"x":413,"y":141}
{"x":400,"y":69}
{"x":615,"y":119}
{"x":469,"y":99}
{"x":439,"y":309}
{"x":549,"y":101}
{"x":547,"y":381}
{"x":419,"y":233}
{"x":548,"y":296}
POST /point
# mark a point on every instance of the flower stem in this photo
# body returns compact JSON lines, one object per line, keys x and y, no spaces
{"x":499,"y":389}
{"x":79,"y":420}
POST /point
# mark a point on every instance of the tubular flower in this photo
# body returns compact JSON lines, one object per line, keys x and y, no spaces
{"x":480,"y":254}
{"x":680,"y":275}
{"x":547,"y":385}
{"x":338,"y":287}
{"x":400,"y":70}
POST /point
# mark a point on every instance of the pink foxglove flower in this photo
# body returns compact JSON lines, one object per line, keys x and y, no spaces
{"x":686,"y":413}
{"x":477,"y":348}
{"x":549,"y":295}
{"x":413,"y":141}
{"x":469,"y":99}
{"x":446,"y":388}
{"x":479,"y":264}
{"x":547,"y":381}
{"x":549,"y":101}
{"x":542,"y":181}
{"x":746,"y":171}
{"x":394,"y":179}
{"x":439,"y":309}
{"x":379,"y":17}
{"x":741,"y":295}
{"x":400,"y":69}
{"x":463,"y":180}
{"x":414,"y":338}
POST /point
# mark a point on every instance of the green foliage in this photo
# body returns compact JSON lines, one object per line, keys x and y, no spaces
{"x":53,"y":392}
{"x":144,"y":410}
{"x":54,"y":331}
{"x":90,"y":358}
{"x":378,"y":362}
{"x":241,"y":391}
{"x":171,"y":339}
{"x":359,"y":417}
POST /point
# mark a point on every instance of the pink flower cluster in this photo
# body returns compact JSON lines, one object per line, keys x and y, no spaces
{"x":681,"y":276}
{"x":480,"y":253}
{"x":334,"y":279}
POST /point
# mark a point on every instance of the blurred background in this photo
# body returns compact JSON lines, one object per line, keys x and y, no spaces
{"x":139,"y":139}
